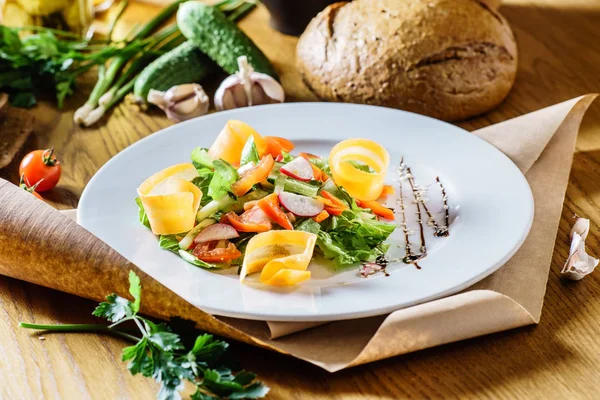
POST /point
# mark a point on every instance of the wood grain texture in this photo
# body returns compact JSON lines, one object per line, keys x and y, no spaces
{"x":559,"y":43}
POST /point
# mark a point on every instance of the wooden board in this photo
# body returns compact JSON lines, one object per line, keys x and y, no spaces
{"x":559,"y":43}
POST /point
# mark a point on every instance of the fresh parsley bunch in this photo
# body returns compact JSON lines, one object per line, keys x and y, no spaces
{"x":160,"y":354}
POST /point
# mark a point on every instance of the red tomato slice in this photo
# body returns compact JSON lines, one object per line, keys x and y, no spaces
{"x":270,"y":205}
{"x":253,"y":176}
{"x":250,"y":221}
{"x":275,"y":145}
{"x":208,"y":252}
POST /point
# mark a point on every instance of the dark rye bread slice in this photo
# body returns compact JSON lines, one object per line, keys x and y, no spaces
{"x":16,"y":124}
{"x":449,"y":59}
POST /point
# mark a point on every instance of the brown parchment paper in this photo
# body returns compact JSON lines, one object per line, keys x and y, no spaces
{"x":41,"y":245}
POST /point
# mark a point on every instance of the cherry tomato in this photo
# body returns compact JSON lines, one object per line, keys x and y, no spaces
{"x":41,"y":168}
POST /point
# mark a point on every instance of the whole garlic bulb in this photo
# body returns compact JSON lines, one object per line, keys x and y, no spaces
{"x":181,"y":102}
{"x":248,"y":88}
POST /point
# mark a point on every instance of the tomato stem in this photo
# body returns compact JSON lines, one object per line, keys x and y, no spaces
{"x":23,"y":184}
{"x":49,"y":159}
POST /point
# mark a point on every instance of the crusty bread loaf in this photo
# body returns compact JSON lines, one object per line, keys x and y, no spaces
{"x":450,"y":59}
{"x":16,"y":124}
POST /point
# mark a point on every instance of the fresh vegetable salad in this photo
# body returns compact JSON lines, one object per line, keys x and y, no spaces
{"x":250,"y":202}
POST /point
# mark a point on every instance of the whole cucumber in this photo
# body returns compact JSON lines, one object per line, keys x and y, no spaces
{"x":184,"y":64}
{"x":220,"y":39}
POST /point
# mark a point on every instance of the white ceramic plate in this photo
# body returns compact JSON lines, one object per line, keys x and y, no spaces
{"x":491,"y":209}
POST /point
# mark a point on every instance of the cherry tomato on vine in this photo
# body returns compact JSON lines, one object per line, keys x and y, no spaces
{"x":40,"y":168}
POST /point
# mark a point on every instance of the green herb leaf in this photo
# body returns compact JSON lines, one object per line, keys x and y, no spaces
{"x":167,"y":341}
{"x":161,"y":354}
{"x":115,"y":308}
{"x":142,"y":213}
{"x":207,"y":349}
{"x":225,"y":175}
{"x":249,"y":152}
{"x":140,"y":359}
{"x":135,"y":289}
{"x":23,"y":99}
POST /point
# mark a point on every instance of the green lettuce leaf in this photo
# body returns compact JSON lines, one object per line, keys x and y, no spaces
{"x":203,"y":179}
{"x":287,"y":157}
{"x":224,"y":176}
{"x":348,"y":239}
{"x":142,"y":213}
{"x":169,"y":242}
{"x":249,"y":152}
{"x":322,"y":164}
{"x":201,"y":159}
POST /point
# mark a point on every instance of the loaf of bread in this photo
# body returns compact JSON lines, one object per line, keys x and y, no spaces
{"x":449,"y":59}
{"x":16,"y":124}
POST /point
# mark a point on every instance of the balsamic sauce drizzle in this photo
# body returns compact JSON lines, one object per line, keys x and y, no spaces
{"x":445,"y":229}
{"x":410,"y":257}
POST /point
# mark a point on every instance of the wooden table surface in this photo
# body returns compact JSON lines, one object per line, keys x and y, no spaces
{"x":559,"y":43}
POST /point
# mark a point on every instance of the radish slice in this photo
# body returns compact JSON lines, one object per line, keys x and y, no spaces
{"x":216,"y":232}
{"x":256,"y":215}
{"x":299,"y":168}
{"x":302,"y":206}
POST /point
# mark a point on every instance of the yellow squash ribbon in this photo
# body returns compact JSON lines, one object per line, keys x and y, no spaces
{"x":171,"y":200}
{"x":359,"y":184}
{"x":281,"y":256}
{"x":230,"y":142}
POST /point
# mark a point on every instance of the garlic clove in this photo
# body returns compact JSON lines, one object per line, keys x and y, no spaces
{"x":582,"y":227}
{"x":181,"y":102}
{"x":157,"y":98}
{"x":248,"y":88}
{"x":270,"y":86}
{"x":187,"y":109}
{"x":579,"y":264}
{"x":182,"y":92}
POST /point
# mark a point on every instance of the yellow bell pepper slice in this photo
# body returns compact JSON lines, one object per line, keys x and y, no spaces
{"x":230,"y":142}
{"x":282,"y":257}
{"x":359,"y":184}
{"x":171,"y":200}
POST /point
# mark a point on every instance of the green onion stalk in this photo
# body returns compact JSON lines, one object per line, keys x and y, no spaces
{"x":237,"y":9}
{"x":117,"y":64}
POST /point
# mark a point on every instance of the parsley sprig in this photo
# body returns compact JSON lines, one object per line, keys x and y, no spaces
{"x":160,"y":353}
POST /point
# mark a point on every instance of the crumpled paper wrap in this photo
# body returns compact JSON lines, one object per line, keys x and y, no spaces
{"x":41,"y":245}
